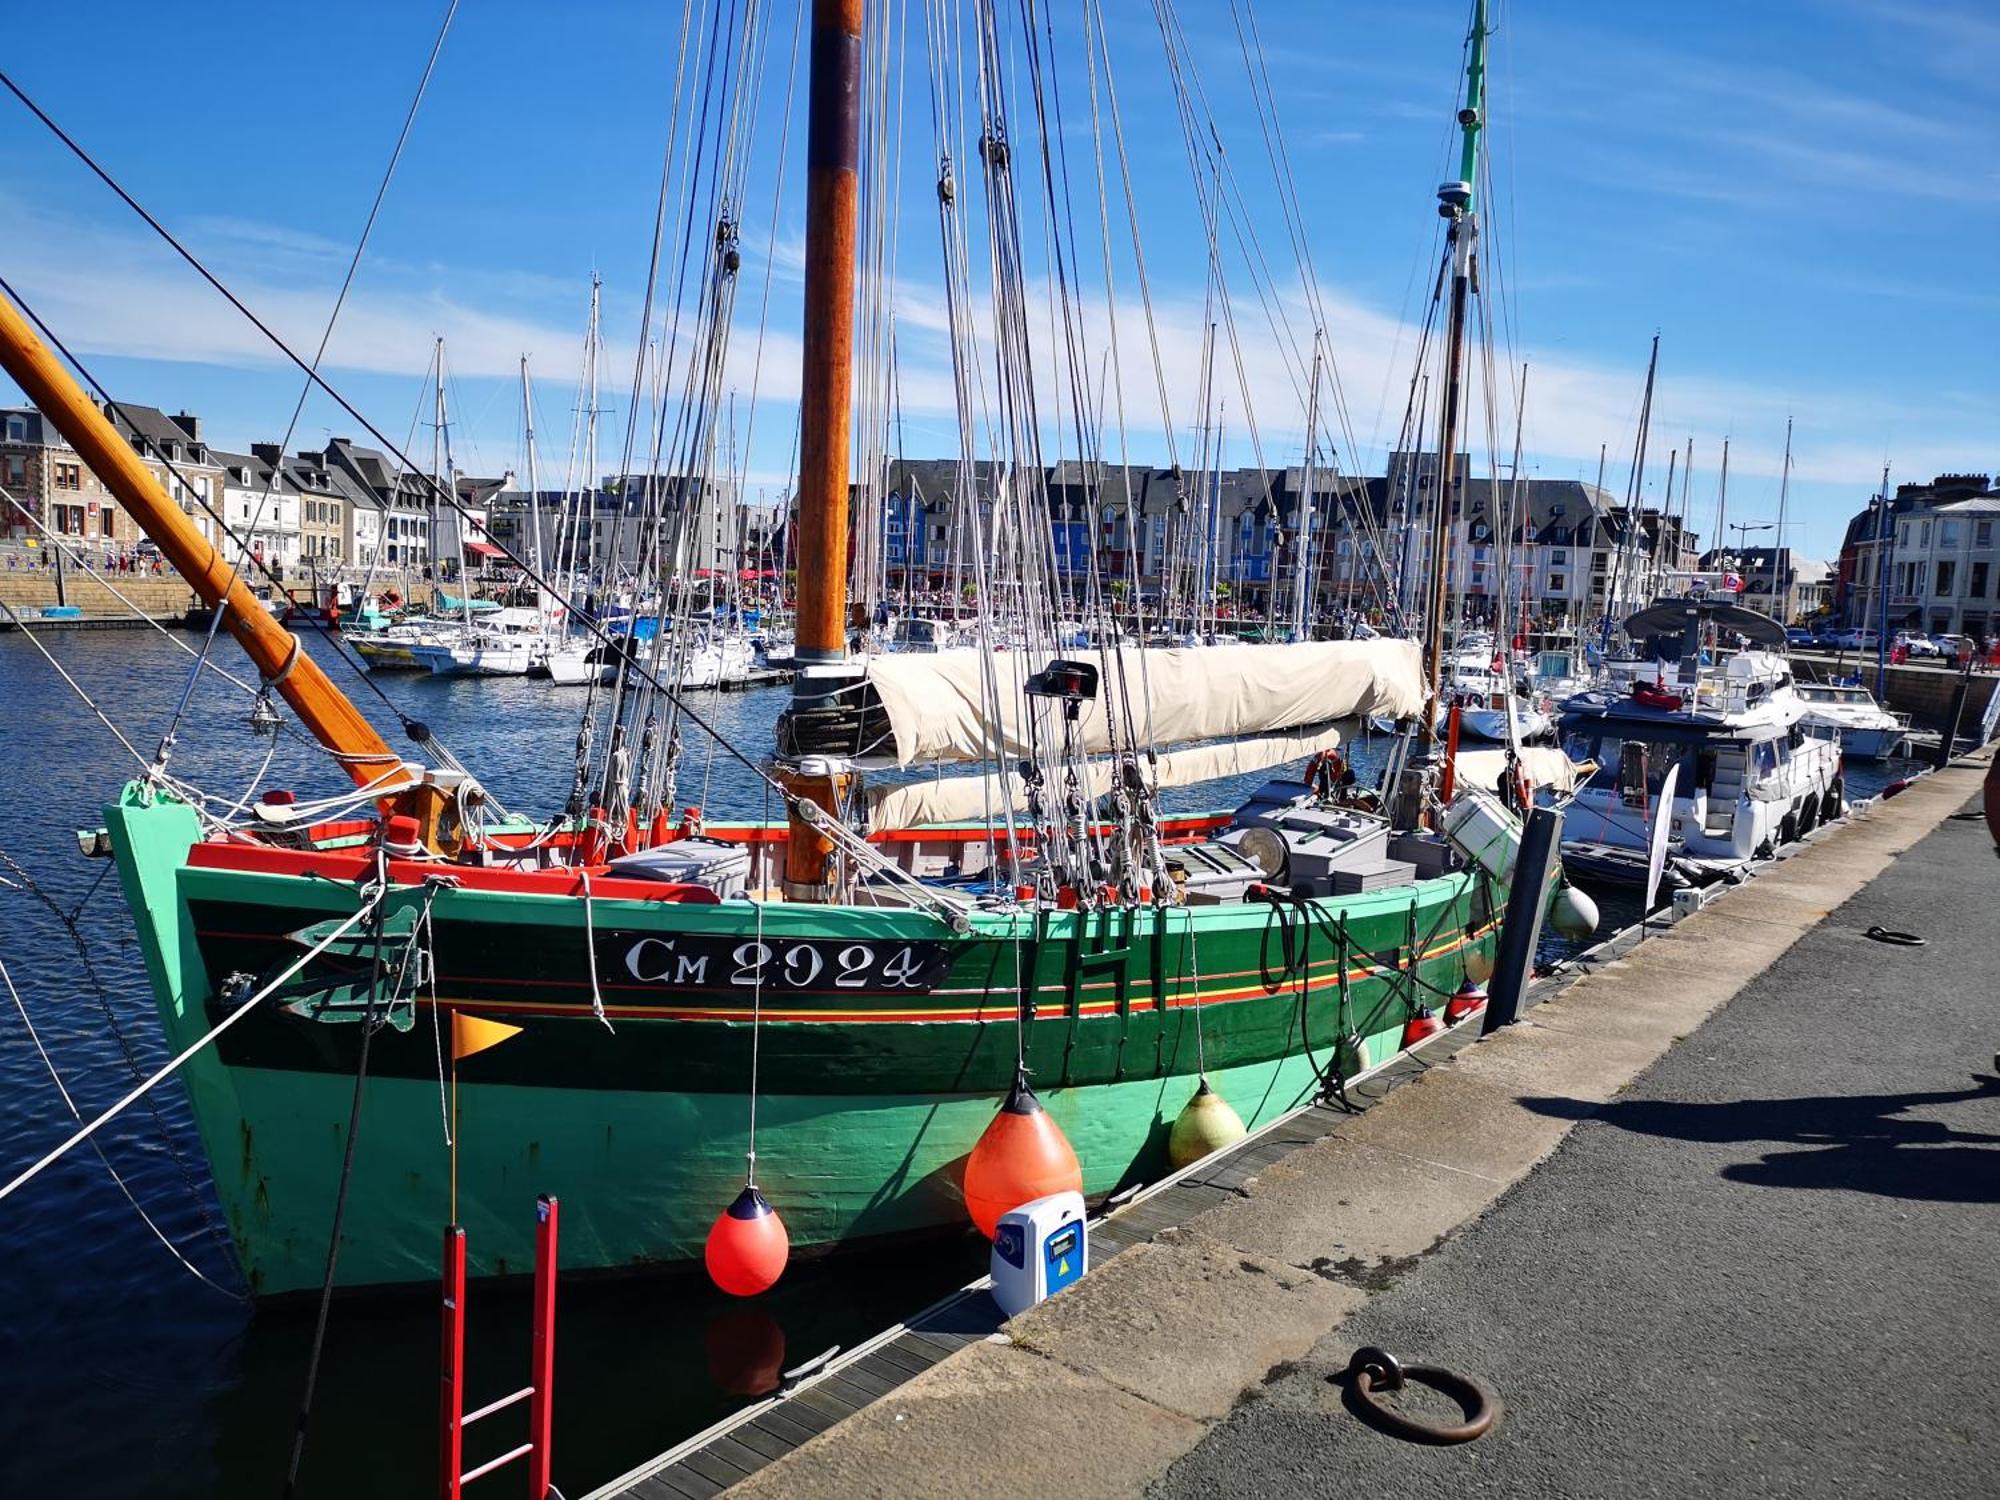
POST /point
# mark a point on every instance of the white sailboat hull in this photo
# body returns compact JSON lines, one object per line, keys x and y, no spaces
{"x":1491,"y":723}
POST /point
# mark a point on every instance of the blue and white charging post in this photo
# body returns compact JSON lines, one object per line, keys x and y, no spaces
{"x":1038,"y":1249}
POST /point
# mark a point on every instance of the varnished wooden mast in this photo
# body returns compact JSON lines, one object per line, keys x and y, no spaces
{"x":833,"y":152}
{"x":279,"y":656}
{"x":833,"y":148}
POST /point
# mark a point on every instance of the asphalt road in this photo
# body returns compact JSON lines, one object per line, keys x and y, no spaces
{"x":1772,"y":1267}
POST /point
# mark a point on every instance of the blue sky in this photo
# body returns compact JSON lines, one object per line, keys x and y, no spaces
{"x":1800,"y":197}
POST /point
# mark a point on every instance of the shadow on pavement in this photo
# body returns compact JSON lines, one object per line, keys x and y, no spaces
{"x":1854,"y":1142}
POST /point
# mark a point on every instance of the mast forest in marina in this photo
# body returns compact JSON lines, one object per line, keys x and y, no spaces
{"x":835,"y":1000}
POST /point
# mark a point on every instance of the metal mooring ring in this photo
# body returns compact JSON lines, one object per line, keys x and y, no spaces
{"x":1372,"y":1370}
{"x":1899,"y":939}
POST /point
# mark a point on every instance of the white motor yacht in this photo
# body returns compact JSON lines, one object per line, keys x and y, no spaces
{"x":1848,"y":712}
{"x":1749,"y":777}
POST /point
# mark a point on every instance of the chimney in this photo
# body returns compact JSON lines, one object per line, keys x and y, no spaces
{"x":268,"y":453}
{"x":188,"y":424}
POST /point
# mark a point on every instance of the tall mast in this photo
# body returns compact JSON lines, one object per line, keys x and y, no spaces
{"x":278,"y":654}
{"x":437,"y":463}
{"x":534,"y":479}
{"x":1778,"y":542}
{"x":1455,"y":202}
{"x":833,"y":149}
{"x":587,"y":491}
{"x":1722,"y":509}
{"x":833,"y":153}
{"x":1635,"y":484}
{"x":1657,"y":568}
{"x":1302,"y":573}
{"x":1885,"y":552}
{"x":444,"y":481}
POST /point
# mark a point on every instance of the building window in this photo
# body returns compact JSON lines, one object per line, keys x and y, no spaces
{"x":69,"y":476}
{"x":1982,"y":533}
{"x":1557,"y":583}
{"x":16,"y":469}
{"x":1924,"y":535}
{"x":17,"y":429}
{"x":1975,"y":586}
{"x":1949,"y":534}
{"x":1943,"y":582}
{"x":1558,"y":557}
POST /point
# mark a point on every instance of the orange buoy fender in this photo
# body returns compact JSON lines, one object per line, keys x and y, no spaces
{"x":1470,"y":1000}
{"x":747,"y":1246}
{"x":1023,"y":1155}
{"x":1420,"y":1025}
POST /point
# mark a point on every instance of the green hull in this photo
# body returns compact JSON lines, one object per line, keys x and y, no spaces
{"x":875,"y":1076}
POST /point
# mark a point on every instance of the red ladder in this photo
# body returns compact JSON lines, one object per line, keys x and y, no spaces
{"x":538,"y":1393}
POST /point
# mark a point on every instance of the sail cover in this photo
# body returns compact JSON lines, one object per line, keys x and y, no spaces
{"x":1545,"y":764}
{"x":938,"y":704}
{"x":958,"y":799}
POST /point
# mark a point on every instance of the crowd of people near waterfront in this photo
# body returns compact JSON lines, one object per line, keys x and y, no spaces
{"x":126,"y":560}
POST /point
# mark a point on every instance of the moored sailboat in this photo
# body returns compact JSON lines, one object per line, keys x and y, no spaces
{"x":844,"y":1003}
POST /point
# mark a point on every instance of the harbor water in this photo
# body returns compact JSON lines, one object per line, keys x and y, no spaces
{"x":121,"y":1372}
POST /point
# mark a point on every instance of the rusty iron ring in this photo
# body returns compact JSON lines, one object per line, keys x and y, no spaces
{"x":1372,"y":1370}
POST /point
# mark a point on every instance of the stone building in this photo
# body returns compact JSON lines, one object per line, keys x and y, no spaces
{"x":1937,"y":546}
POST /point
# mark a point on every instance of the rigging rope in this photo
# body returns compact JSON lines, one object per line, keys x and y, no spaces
{"x":124,"y":1187}
{"x":374,"y":903}
{"x":305,"y":391}
{"x":168,"y":1069}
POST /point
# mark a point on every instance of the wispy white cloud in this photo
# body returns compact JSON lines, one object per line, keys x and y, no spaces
{"x":109,"y":292}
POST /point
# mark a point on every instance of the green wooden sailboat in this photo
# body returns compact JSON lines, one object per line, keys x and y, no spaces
{"x":869,"y":976}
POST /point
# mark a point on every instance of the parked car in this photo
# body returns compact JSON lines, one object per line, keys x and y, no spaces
{"x":1798,"y":635}
{"x":1952,"y":650}
{"x":1917,"y":644}
{"x":1853,"y":638}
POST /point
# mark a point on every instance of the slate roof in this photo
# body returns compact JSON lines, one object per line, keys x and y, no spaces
{"x":37,"y":429}
{"x":153,"y":433}
{"x":250,"y":470}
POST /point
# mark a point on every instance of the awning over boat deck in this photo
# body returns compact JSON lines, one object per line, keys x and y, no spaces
{"x":942,"y":706}
{"x":958,"y":799}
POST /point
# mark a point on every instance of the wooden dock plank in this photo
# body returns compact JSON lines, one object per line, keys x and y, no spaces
{"x":794,"y":1424}
{"x":710,"y":1466}
{"x":871,"y":1381}
{"x":738,"y":1454}
{"x":902,"y":1357}
{"x":829,"y":1403}
{"x":761,"y":1440}
{"x":675,"y":1483}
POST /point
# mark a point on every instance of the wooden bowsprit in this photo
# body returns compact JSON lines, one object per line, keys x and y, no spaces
{"x":539,"y":1393}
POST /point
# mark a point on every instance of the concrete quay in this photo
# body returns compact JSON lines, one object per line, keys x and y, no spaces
{"x":163,"y":599}
{"x":1722,"y":1212}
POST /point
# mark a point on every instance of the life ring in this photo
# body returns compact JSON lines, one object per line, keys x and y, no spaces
{"x":1325,"y":771}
